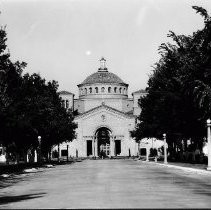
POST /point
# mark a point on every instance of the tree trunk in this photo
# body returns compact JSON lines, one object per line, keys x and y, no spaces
{"x":25,"y":156}
{"x":17,"y":158}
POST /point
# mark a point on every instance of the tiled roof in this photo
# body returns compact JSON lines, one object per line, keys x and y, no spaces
{"x":63,"y":92}
{"x":140,"y":91}
{"x":103,"y":77}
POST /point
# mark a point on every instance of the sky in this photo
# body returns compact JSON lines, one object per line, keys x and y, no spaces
{"x":63,"y":40}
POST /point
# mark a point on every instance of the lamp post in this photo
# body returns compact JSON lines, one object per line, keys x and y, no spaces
{"x":39,"y":141}
{"x":165,"y":151}
{"x":67,"y":151}
{"x":209,"y":144}
{"x":147,"y":152}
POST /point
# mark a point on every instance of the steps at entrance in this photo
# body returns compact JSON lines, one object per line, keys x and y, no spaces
{"x":113,"y":157}
{"x":121,"y":157}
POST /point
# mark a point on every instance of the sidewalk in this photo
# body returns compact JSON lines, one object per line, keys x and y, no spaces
{"x":188,"y":167}
{"x":6,"y":170}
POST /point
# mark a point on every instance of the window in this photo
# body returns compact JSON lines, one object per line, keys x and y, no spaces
{"x":67,"y":104}
{"x":120,"y":90}
{"x":125,"y":91}
{"x":63,"y":103}
{"x":85,"y":91}
{"x":115,"y":89}
{"x":102,"y":89}
{"x":109,"y":89}
{"x":63,"y":152}
{"x":96,"y":90}
{"x":90,"y":90}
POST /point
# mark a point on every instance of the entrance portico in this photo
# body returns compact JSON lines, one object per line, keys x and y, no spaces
{"x":103,"y":141}
{"x":104,"y":129}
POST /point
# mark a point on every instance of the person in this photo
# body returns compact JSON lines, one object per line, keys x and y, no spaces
{"x":101,"y":154}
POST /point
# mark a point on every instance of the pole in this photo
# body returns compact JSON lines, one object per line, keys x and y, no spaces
{"x":209,"y":144}
{"x":147,"y":154}
{"x":165,"y":151}
{"x":58,"y":153}
{"x":67,"y":151}
{"x":139,"y":148}
{"x":39,"y":141}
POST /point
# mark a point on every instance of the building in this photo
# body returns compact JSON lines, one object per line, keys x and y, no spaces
{"x":106,"y":115}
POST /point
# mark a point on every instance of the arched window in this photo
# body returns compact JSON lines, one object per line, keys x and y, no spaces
{"x":102,"y":89}
{"x":63,"y":103}
{"x":115,"y":89}
{"x":96,"y":90}
{"x":120,"y":90}
{"x":109,"y":90}
{"x":85,"y":91}
{"x":90,"y":90}
{"x":67,"y":104}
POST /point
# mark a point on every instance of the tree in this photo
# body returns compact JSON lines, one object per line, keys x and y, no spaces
{"x":10,"y":79}
{"x":179,"y":90}
{"x":38,"y":112}
{"x":29,"y":107}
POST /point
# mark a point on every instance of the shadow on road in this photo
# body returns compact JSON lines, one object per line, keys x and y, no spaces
{"x":11,"y":199}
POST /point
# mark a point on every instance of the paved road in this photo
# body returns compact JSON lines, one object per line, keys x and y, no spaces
{"x":108,"y":184}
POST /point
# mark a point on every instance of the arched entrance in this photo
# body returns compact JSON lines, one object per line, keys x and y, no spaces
{"x":103,"y":136}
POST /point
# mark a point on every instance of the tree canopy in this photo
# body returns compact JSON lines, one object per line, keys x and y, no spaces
{"x":179,"y":89}
{"x":30,"y":107}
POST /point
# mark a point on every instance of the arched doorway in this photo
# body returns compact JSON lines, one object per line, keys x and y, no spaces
{"x":103,"y":135}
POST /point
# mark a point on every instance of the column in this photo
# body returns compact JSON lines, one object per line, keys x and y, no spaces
{"x":93,"y":147}
{"x":111,"y":146}
{"x":96,"y":146}
{"x":86,"y":143}
{"x":114,"y":147}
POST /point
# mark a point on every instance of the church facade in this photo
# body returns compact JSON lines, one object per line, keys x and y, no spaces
{"x":106,"y":115}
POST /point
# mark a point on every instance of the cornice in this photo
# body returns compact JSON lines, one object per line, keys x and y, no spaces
{"x":103,"y":106}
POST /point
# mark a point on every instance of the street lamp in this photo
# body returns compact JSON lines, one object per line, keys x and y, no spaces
{"x":165,"y":152}
{"x":39,"y":141}
{"x":147,"y":152}
{"x":209,"y":144}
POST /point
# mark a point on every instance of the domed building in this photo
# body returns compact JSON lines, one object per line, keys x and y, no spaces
{"x":106,"y":115}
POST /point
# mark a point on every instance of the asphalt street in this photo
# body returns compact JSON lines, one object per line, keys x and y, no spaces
{"x":107,"y":184}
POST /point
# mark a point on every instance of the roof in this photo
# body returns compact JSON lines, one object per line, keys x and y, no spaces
{"x":63,"y":92}
{"x":140,"y":91}
{"x":103,"y":77}
{"x":108,"y":108}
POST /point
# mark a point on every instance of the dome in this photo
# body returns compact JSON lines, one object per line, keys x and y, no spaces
{"x":103,"y":76}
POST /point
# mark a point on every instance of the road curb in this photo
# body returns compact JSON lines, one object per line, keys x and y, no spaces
{"x":187,"y":169}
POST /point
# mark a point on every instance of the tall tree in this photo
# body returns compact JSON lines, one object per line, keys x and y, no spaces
{"x":29,"y":107}
{"x":179,"y":89}
{"x":10,"y":79}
